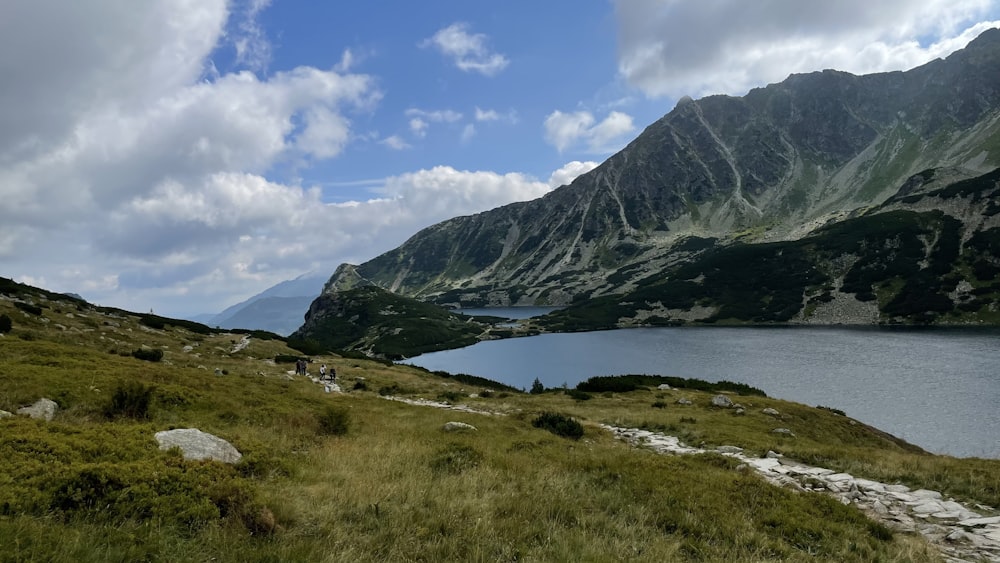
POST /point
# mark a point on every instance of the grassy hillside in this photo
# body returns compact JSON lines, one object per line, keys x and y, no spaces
{"x":356,"y":477}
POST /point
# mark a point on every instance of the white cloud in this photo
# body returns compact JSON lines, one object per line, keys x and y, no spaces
{"x":419,"y":127}
{"x":395,"y":142}
{"x":468,"y":51}
{"x":135,"y":177}
{"x":468,"y":132}
{"x":674,"y":48}
{"x":253,"y":49}
{"x":437,"y":116}
{"x":494,"y":115}
{"x":565,"y":130}
{"x":487,"y":115}
{"x":570,"y":171}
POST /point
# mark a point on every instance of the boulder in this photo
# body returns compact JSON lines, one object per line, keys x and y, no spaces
{"x":783,"y":431}
{"x":198,"y":445}
{"x":458,"y":427}
{"x":683,"y":401}
{"x":740,"y":410}
{"x":663,"y":387}
{"x":721,"y":401}
{"x":770,"y":412}
{"x":5,"y":414}
{"x":729,"y":450}
{"x":43,"y":409}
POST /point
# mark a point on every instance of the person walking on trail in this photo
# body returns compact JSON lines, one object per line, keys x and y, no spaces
{"x":322,"y":372}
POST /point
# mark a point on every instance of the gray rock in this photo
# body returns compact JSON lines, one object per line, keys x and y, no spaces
{"x":198,"y":445}
{"x":458,"y":427}
{"x":729,"y":450}
{"x":721,"y":401}
{"x":770,"y":412}
{"x":683,"y":401}
{"x":773,"y":455}
{"x":5,"y":414}
{"x":43,"y":409}
{"x":663,"y":387}
{"x":783,"y":431}
{"x":740,"y":410}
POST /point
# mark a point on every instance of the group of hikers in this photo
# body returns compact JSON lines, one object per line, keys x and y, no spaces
{"x":324,"y":375}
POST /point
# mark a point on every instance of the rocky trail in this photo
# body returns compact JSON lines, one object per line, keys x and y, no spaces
{"x":962,"y":534}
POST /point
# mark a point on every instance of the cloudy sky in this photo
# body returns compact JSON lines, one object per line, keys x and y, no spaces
{"x":183,"y":155}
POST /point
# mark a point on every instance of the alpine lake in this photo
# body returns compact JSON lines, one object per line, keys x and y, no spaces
{"x":938,"y":388}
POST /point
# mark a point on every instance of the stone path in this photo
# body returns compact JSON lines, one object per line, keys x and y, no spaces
{"x":962,"y":534}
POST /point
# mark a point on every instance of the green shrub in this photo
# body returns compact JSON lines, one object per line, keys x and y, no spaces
{"x":559,"y":424}
{"x":455,"y":458}
{"x":450,"y":396}
{"x":130,"y":400}
{"x":148,"y":354}
{"x":537,"y":387}
{"x":360,"y":386}
{"x":5,"y":324}
{"x":29,"y":308}
{"x":578,"y":395}
{"x":334,"y":421}
{"x":659,"y":405}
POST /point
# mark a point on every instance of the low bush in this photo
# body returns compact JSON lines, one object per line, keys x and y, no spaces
{"x":334,"y":421}
{"x":130,"y":400}
{"x":360,"y":386}
{"x":455,"y":458}
{"x":148,"y":354}
{"x":659,"y":405}
{"x":559,"y":424}
{"x":28,"y":308}
{"x":578,"y":395}
{"x":5,"y":324}
{"x":450,"y":396}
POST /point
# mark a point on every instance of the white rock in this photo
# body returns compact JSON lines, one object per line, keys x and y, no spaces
{"x":44,"y":409}
{"x":926,"y":494}
{"x":458,"y":427}
{"x":721,"y":401}
{"x":198,"y":445}
{"x":729,"y":450}
{"x":770,"y":412}
{"x":975,"y":522}
{"x":663,"y":387}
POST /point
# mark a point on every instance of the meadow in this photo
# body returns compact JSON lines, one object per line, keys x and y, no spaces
{"x":353,"y":476}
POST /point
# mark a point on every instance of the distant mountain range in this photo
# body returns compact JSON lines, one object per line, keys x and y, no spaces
{"x":279,"y":309}
{"x":841,"y":198}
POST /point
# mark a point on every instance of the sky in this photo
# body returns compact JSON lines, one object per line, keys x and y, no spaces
{"x":180,"y":156}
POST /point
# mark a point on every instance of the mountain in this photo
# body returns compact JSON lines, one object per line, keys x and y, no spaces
{"x":770,"y":166}
{"x":279,"y":309}
{"x":929,"y":254}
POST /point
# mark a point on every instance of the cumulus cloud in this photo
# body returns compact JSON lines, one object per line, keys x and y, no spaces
{"x":139,"y":175}
{"x":569,"y":172}
{"x":674,"y":48}
{"x":565,"y":130}
{"x":467,"y":50}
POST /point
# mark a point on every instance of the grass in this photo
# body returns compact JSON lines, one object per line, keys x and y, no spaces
{"x":355,"y":477}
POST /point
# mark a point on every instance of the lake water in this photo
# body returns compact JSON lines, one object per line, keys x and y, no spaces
{"x":937,"y":388}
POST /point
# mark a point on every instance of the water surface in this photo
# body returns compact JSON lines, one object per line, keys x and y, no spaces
{"x":937,"y":388}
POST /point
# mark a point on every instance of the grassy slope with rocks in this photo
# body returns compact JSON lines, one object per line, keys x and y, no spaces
{"x":355,"y":477}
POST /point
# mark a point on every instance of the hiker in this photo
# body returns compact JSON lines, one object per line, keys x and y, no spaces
{"x":333,"y":374}
{"x":322,"y":372}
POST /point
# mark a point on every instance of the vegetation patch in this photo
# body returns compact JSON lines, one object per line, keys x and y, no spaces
{"x":559,"y":424}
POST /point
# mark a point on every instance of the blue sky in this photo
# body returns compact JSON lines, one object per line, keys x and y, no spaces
{"x":182,"y":155}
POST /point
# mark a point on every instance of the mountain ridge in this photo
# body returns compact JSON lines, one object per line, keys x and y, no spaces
{"x":772,"y":165}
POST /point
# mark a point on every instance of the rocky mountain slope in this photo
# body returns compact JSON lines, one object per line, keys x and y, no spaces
{"x":773,"y":165}
{"x":928,"y":254}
